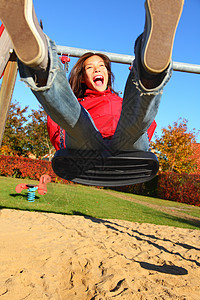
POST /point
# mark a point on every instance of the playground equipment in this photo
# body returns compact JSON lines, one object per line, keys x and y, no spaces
{"x":41,"y":187}
{"x":90,"y":167}
{"x":102,"y":169}
{"x":124,"y":59}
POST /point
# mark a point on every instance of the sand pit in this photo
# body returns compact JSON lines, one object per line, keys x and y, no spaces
{"x":49,"y":256}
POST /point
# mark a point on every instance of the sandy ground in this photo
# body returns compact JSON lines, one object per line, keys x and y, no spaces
{"x":49,"y":256}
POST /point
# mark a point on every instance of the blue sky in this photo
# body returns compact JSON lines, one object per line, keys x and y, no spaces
{"x":112,"y":27}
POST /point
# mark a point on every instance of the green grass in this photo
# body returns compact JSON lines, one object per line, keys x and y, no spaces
{"x":188,"y":209}
{"x":92,"y":202}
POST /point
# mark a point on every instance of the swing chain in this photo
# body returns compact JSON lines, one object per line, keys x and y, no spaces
{"x":65,"y":60}
{"x":61,"y":139}
{"x":66,"y":67}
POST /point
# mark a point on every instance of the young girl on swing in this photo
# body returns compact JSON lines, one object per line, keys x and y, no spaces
{"x":86,"y":107}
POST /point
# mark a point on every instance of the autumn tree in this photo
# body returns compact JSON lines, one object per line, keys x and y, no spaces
{"x":38,"y":141}
{"x":26,"y":133}
{"x":174,"y":148}
{"x":14,"y":139}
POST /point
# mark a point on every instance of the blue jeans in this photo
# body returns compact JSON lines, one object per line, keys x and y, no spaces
{"x":140,"y":106}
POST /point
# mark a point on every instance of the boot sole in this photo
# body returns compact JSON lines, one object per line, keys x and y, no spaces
{"x":19,"y":19}
{"x":163,"y":17}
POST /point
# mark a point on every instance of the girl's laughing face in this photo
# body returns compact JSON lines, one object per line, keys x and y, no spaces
{"x":95,"y":74}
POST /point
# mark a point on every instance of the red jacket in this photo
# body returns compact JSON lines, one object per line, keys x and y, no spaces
{"x":105,"y":109}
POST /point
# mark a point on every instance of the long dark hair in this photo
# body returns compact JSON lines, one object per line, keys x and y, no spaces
{"x":77,"y":73}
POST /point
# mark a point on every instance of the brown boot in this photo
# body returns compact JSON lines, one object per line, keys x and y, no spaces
{"x":29,"y":41}
{"x":162,"y":17}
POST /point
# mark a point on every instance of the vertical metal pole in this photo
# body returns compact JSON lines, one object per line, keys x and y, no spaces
{"x":6,"y":92}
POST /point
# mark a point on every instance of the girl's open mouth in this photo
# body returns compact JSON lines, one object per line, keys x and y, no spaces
{"x":98,"y":80}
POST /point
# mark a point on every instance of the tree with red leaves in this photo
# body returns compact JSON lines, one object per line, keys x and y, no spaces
{"x":174,"y":148}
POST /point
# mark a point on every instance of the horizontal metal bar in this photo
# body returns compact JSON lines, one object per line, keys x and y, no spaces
{"x":185,"y":67}
{"x":78,"y":52}
{"x":125,"y":59}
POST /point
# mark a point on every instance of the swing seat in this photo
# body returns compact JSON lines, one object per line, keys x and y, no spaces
{"x":90,"y":167}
